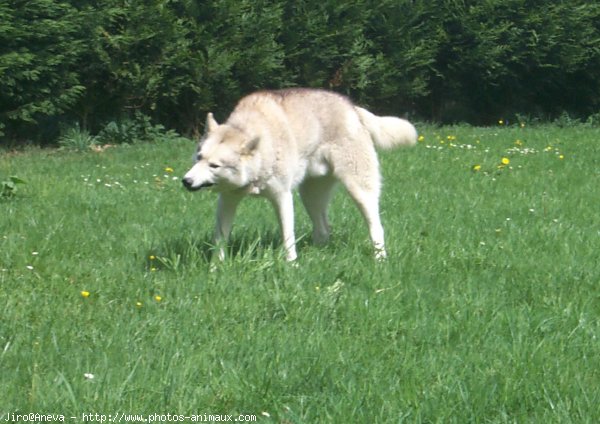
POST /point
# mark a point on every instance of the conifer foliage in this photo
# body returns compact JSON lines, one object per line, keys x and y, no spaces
{"x":87,"y":63}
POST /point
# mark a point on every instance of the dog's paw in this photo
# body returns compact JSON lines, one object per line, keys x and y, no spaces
{"x":380,"y":255}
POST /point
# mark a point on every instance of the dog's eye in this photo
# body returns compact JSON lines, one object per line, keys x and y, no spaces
{"x":214,"y":165}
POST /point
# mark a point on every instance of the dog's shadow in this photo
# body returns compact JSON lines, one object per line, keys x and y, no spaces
{"x":184,"y":251}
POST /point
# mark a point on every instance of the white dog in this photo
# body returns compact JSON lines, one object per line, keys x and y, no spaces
{"x":275,"y":141}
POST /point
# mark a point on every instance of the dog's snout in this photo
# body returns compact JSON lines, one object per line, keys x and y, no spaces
{"x":187,"y":183}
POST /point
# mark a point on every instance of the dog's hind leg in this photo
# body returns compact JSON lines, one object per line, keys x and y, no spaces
{"x":226,"y":207}
{"x":368,"y":203}
{"x":316,"y":194}
{"x":363,"y":185}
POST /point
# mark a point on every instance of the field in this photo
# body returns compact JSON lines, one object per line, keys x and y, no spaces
{"x":487,"y":310}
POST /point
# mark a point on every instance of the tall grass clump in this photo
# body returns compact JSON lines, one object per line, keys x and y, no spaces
{"x":76,"y":138}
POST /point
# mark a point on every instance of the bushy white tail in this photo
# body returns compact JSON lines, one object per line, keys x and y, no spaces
{"x":388,"y":131}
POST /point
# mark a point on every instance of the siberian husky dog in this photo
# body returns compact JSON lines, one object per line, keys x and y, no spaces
{"x":275,"y":141}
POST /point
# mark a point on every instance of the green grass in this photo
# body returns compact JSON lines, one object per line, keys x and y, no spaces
{"x":487,"y":310}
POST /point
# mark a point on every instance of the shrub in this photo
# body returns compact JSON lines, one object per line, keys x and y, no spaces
{"x":40,"y":45}
{"x":133,"y":130}
{"x":74,"y":138}
{"x":8,"y":188}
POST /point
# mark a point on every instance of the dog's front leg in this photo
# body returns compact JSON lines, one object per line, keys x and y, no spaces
{"x":226,"y":206}
{"x":284,"y":206}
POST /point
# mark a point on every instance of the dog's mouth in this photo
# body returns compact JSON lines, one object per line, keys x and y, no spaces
{"x":188,"y":184}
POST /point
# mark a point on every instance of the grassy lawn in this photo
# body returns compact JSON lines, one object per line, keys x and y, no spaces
{"x":487,"y":310}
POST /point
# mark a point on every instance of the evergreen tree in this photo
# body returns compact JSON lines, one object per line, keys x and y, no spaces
{"x":39,"y":50}
{"x":92,"y":62}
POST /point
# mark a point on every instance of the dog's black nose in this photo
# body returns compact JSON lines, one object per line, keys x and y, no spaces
{"x":187,"y":183}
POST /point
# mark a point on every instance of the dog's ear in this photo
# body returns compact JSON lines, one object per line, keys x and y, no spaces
{"x":211,"y":123}
{"x":249,"y":146}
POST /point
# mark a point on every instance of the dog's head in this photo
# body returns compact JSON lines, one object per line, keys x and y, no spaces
{"x":221,"y":159}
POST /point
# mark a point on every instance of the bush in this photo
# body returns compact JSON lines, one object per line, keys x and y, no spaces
{"x":40,"y":45}
{"x":74,"y":138}
{"x":133,"y":130}
{"x":9,"y":187}
{"x":444,"y":60}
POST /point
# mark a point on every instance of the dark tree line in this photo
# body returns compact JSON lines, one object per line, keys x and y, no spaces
{"x":89,"y":62}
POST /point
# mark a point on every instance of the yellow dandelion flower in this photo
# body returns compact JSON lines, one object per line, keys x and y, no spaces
{"x":505,"y":161}
{"x":561,"y":157}
{"x":151,"y":257}
{"x":421,"y":138}
{"x":138,"y":304}
{"x":518,"y":143}
{"x":476,"y":168}
{"x":85,"y":294}
{"x":500,"y":122}
{"x":158,"y":298}
{"x":169,"y":169}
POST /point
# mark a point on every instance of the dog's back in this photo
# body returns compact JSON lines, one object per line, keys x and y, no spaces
{"x":300,"y":113}
{"x":319,"y":116}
